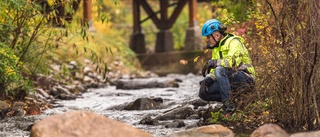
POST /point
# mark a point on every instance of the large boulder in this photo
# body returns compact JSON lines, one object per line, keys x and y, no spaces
{"x":269,"y":130}
{"x":306,"y":134}
{"x":215,"y":130}
{"x":83,"y":124}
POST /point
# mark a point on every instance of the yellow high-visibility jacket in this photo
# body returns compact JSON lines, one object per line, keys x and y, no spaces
{"x":231,"y":53}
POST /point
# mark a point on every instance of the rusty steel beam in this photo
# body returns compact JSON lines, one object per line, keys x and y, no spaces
{"x":192,"y":12}
{"x":176,"y":12}
{"x":87,"y":10}
{"x":164,"y":13}
{"x":150,"y":12}
{"x":136,"y":16}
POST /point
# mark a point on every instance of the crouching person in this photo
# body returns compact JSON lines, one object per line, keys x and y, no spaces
{"x":229,"y":69}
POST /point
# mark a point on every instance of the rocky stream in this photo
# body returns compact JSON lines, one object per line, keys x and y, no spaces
{"x":137,"y":102}
{"x":166,"y":106}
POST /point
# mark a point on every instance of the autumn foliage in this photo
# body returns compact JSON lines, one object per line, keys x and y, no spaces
{"x":284,"y":38}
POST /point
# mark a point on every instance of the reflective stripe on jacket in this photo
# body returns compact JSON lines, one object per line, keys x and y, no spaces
{"x":231,"y":53}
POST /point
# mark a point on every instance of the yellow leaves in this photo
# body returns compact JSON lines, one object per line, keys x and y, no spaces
{"x":206,"y":51}
{"x":265,"y":112}
{"x":51,"y":2}
{"x":9,"y":71}
{"x":196,"y":59}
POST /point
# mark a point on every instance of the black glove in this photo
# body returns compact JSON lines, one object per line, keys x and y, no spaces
{"x":209,"y":81}
{"x":208,"y":66}
{"x":203,"y":89}
{"x":204,"y":85}
{"x":212,"y":63}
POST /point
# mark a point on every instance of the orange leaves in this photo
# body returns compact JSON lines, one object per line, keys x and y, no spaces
{"x":183,"y":62}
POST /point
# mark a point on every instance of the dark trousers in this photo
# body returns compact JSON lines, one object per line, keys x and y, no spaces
{"x":227,"y":81}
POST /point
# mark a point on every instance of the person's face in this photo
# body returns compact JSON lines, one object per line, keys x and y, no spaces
{"x":214,"y":38}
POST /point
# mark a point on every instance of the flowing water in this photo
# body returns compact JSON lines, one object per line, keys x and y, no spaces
{"x":101,"y":100}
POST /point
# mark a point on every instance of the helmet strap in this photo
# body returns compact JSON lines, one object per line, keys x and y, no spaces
{"x":217,"y":41}
{"x":216,"y":45}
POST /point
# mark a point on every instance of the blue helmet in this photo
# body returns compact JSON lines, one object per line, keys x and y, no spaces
{"x":211,"y":26}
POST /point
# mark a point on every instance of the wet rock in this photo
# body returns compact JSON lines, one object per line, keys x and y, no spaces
{"x":145,"y":83}
{"x":159,"y":100}
{"x":16,"y":109}
{"x":143,"y":104}
{"x":178,"y":113}
{"x":306,"y":134}
{"x":57,"y":90}
{"x":198,"y":102}
{"x":80,"y":88}
{"x":91,"y":85}
{"x":88,"y":79}
{"x":3,"y":105}
{"x":85,"y":124}
{"x":3,"y":109}
{"x":269,"y":130}
{"x":194,"y":125}
{"x":116,"y":94}
{"x":172,"y":83}
{"x":64,"y":96}
{"x":138,"y":104}
{"x":42,"y":92}
{"x":147,"y":120}
{"x":194,"y":116}
{"x":87,"y":70}
{"x":2,"y":114}
{"x":74,"y":64}
{"x":205,"y":131}
{"x":45,"y":82}
{"x":175,"y":124}
{"x":62,"y":90}
{"x":178,"y":80}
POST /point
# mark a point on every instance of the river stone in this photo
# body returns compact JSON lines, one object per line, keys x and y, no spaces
{"x":83,"y":124}
{"x":42,"y":92}
{"x":147,"y":120}
{"x":3,"y":105}
{"x":3,"y":108}
{"x":145,"y":83}
{"x":306,"y":134}
{"x":175,"y":124}
{"x":215,"y":130}
{"x":143,"y":104}
{"x":178,"y":113}
{"x":269,"y":130}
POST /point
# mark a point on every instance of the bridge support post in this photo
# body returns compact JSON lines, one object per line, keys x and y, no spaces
{"x":137,"y":43}
{"x":193,"y":40}
{"x":164,"y":41}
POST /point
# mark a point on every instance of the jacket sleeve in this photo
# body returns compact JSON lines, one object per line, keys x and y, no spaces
{"x":233,"y":54}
